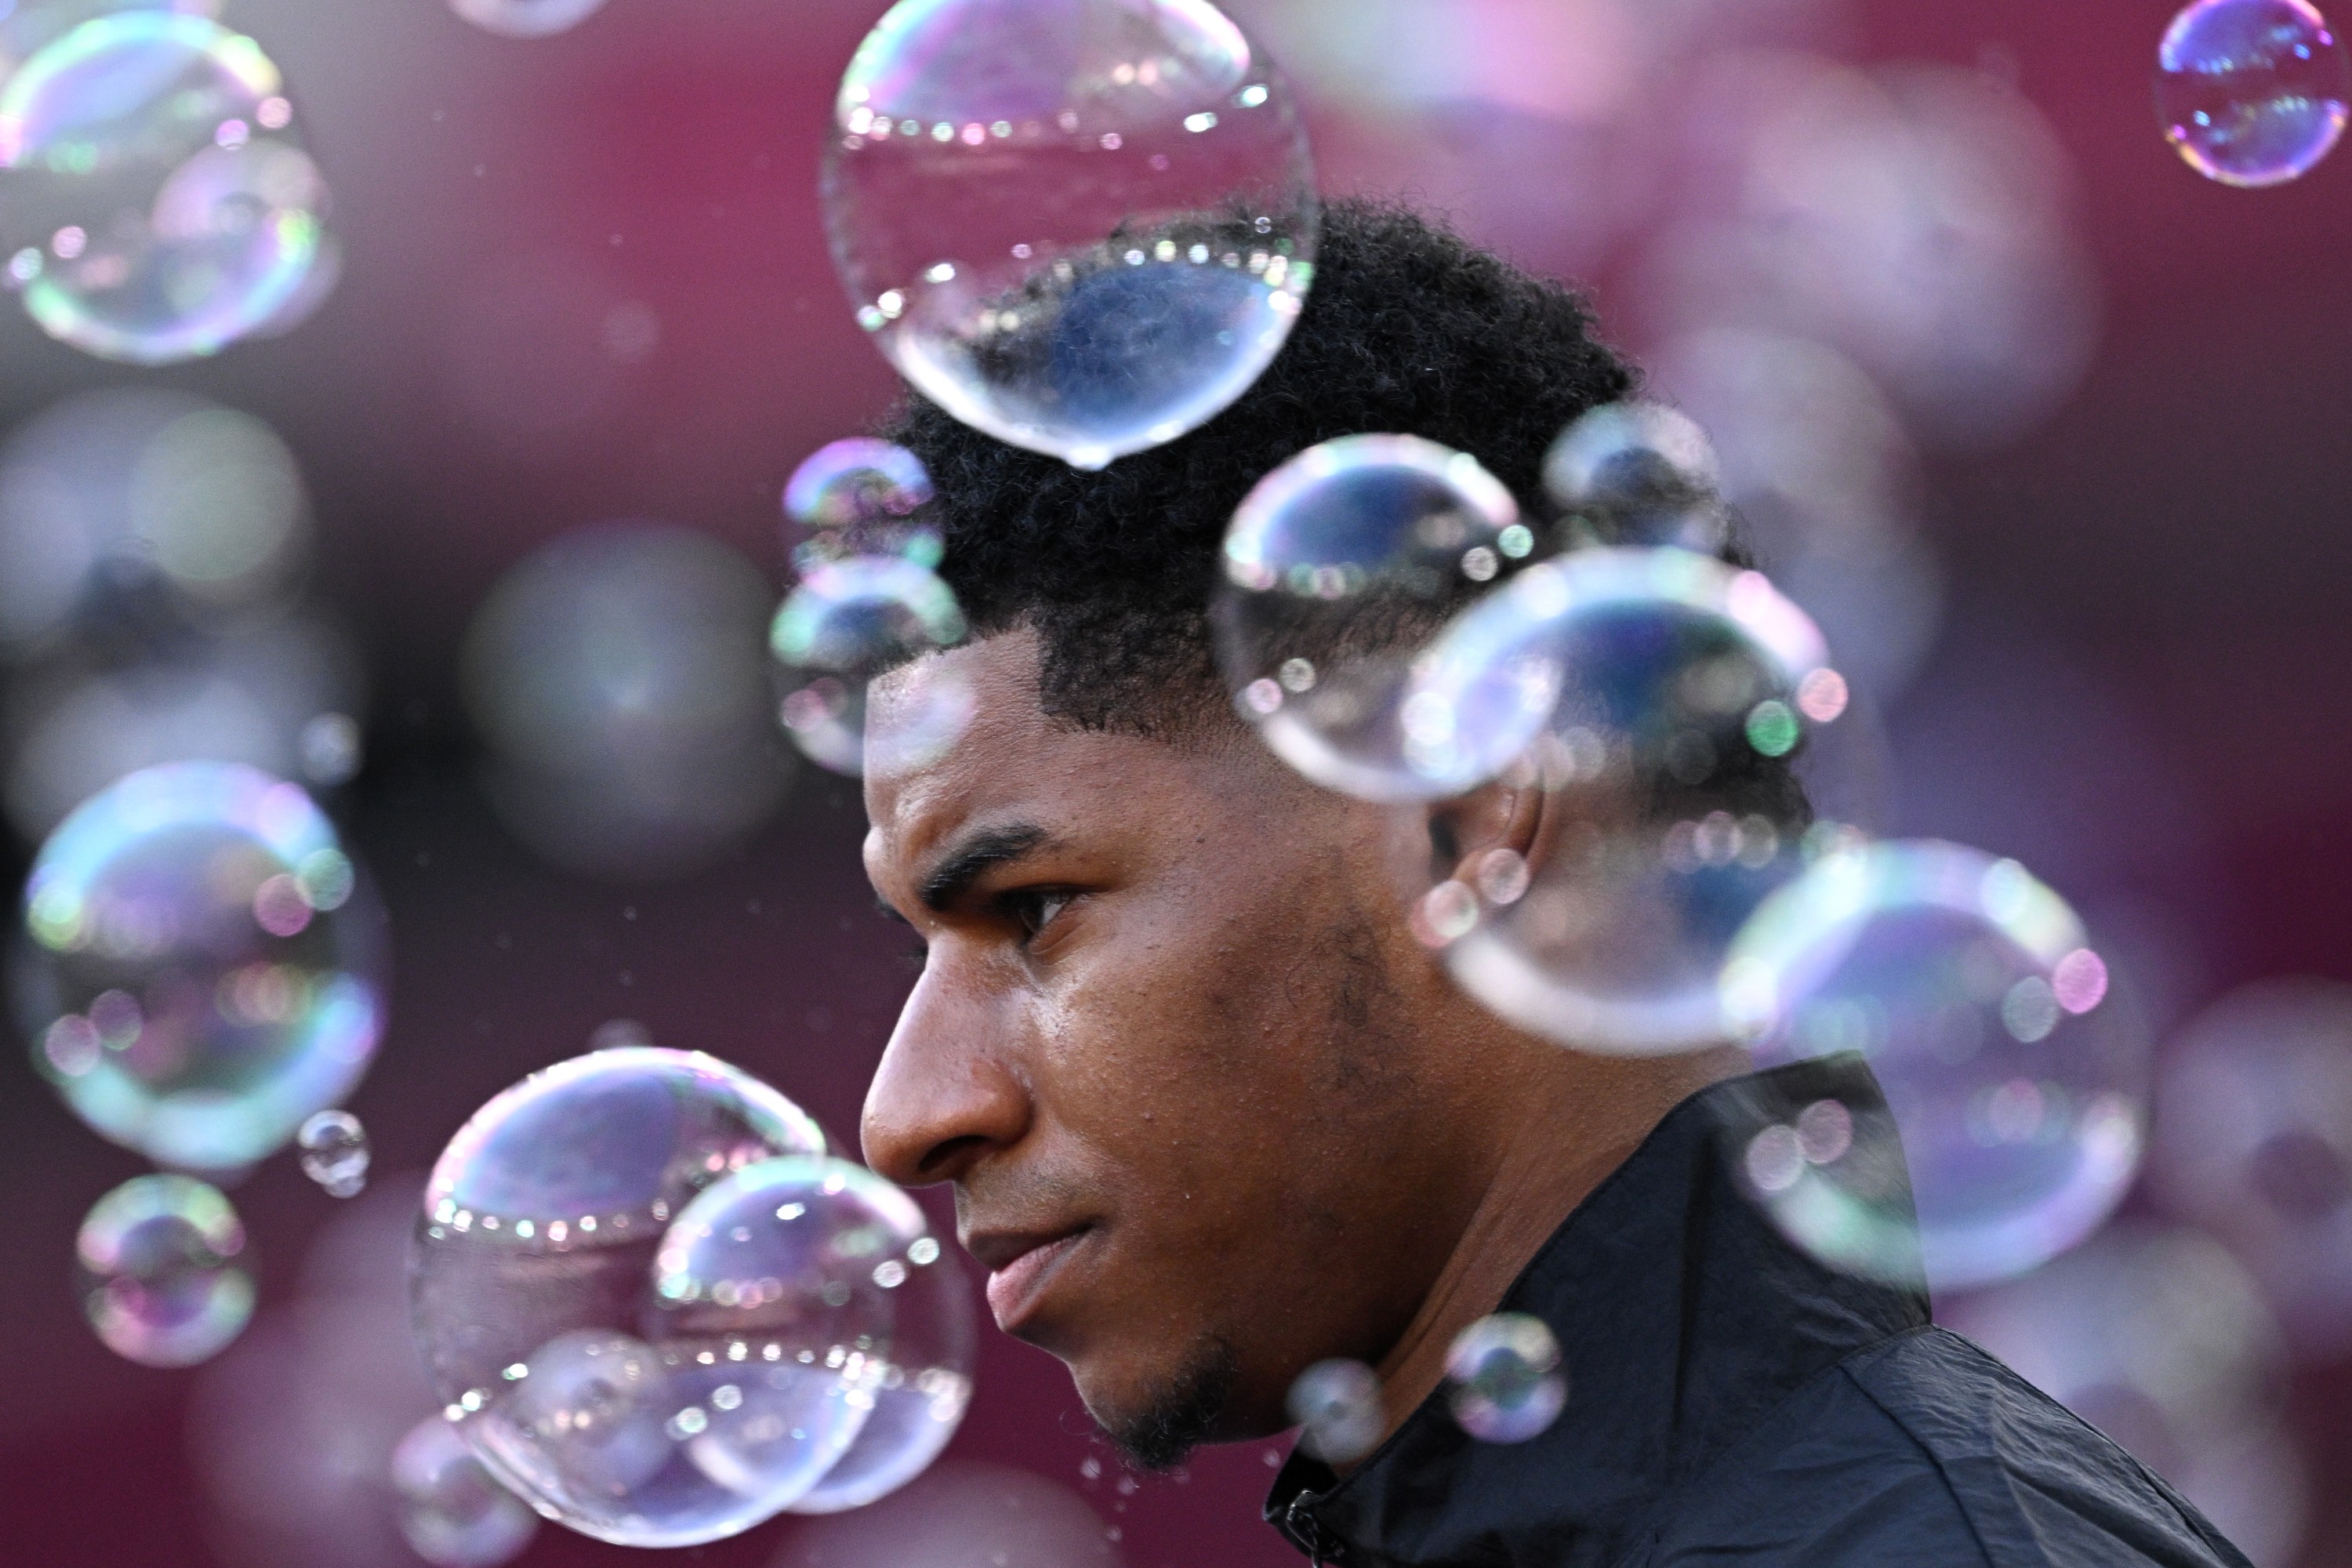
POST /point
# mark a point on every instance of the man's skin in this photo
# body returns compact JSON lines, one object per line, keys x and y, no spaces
{"x":1171,"y":1004}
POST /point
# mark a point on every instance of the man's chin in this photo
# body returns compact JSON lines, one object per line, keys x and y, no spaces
{"x":1156,"y":1425}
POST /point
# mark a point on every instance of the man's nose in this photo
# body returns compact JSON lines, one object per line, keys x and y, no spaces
{"x":947,"y":1093}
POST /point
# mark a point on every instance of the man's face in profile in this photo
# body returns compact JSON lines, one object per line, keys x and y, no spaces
{"x":1172,"y":1045}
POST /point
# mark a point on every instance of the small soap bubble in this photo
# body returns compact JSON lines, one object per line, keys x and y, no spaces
{"x":1338,"y":1405}
{"x":329,"y":749}
{"x":1504,"y":1380}
{"x":1640,"y":473}
{"x":848,"y":623}
{"x":2020,"y":1117}
{"x":526,"y":19}
{"x":177,"y":218}
{"x":1083,"y":228}
{"x":859,"y":496}
{"x":205,"y":969}
{"x":591,"y":1375}
{"x":452,"y":1512}
{"x":1636,"y":665}
{"x":163,"y":1266}
{"x":2252,"y":92}
{"x":1338,"y":567}
{"x":334,"y":1152}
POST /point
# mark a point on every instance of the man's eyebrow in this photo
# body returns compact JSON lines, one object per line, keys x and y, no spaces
{"x":984,"y":850}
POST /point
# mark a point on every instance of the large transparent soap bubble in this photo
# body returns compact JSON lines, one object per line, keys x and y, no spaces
{"x":1338,"y":567}
{"x":847,"y":623}
{"x":2015,"y":1080}
{"x":163,"y":1267}
{"x":1083,"y":226}
{"x":204,"y":968}
{"x":154,"y":205}
{"x":622,"y":1312}
{"x":2252,"y":92}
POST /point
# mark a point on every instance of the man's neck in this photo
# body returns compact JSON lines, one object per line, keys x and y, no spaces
{"x":1583,"y":1118}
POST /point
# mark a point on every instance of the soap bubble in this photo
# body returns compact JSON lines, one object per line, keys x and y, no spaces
{"x":617,"y":676}
{"x":158,"y":209}
{"x":1083,"y":226}
{"x":859,"y":496}
{"x":1615,"y":942}
{"x":1338,"y":1405}
{"x":26,"y":28}
{"x":1640,"y":473}
{"x":334,"y":1152}
{"x":2252,"y":92}
{"x":963,"y":1514}
{"x":2253,"y":1142}
{"x":1337,"y":566}
{"x":1503,"y":1378}
{"x":163,"y":1271}
{"x":205,"y":969}
{"x":330,"y":747}
{"x":452,"y":1512}
{"x":142,"y":512}
{"x":1631,"y":667}
{"x":2161,"y":1342}
{"x":922,"y":1388}
{"x":526,"y":19}
{"x":548,"y":1221}
{"x":848,"y":622}
{"x":2015,"y":1080}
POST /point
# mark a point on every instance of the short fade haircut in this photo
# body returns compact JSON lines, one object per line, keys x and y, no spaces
{"x":1409,"y":330}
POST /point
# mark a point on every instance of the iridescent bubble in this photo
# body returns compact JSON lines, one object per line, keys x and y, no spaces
{"x":1338,"y":566}
{"x":205,"y":969}
{"x":2016,"y":1080}
{"x":157,"y":206}
{"x":848,"y":622}
{"x":163,"y":1269}
{"x":616,"y":674}
{"x":526,"y":19}
{"x":26,"y":28}
{"x":537,"y":1307}
{"x":859,"y":496}
{"x":1640,"y":473}
{"x":1083,"y":226}
{"x":2253,"y":1142}
{"x":2161,"y":1342}
{"x":334,"y":1152}
{"x":2252,"y":92}
{"x":1615,"y":942}
{"x":1503,"y":1378}
{"x":1337,"y":1405}
{"x":922,"y":1388}
{"x":802,"y":1261}
{"x":452,"y":1512}
{"x":1627,"y":667}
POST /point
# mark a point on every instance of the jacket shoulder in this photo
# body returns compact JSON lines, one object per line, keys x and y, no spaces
{"x":1925,"y":1452}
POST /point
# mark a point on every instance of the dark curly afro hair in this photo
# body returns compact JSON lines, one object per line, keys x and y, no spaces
{"x":1409,"y":330}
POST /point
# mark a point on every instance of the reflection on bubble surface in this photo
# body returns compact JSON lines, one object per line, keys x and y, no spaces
{"x":1336,"y":567}
{"x":205,"y":968}
{"x":1083,"y":226}
{"x":2016,"y":1081}
{"x":159,"y":208}
{"x":2252,"y":92}
{"x":452,"y":1513}
{"x":629,"y":1414}
{"x":1504,"y":1384}
{"x":1640,"y":473}
{"x":848,"y":622}
{"x":163,"y":1271}
{"x":1337,"y":1405}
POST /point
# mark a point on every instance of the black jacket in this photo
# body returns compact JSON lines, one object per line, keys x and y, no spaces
{"x":1732,"y":1401}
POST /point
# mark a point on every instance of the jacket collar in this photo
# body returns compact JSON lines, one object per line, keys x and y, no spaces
{"x":1683,"y":1316}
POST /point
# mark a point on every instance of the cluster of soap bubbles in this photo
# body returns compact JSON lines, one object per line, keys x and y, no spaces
{"x":155,"y":201}
{"x":858,"y":524}
{"x":657,"y":1309}
{"x":2252,"y":92}
{"x":1084,"y":227}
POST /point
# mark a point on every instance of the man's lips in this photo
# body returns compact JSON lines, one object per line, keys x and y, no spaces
{"x":1020,"y":1264}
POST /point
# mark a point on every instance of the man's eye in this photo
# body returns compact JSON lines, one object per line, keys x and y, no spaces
{"x":1034,"y":910}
